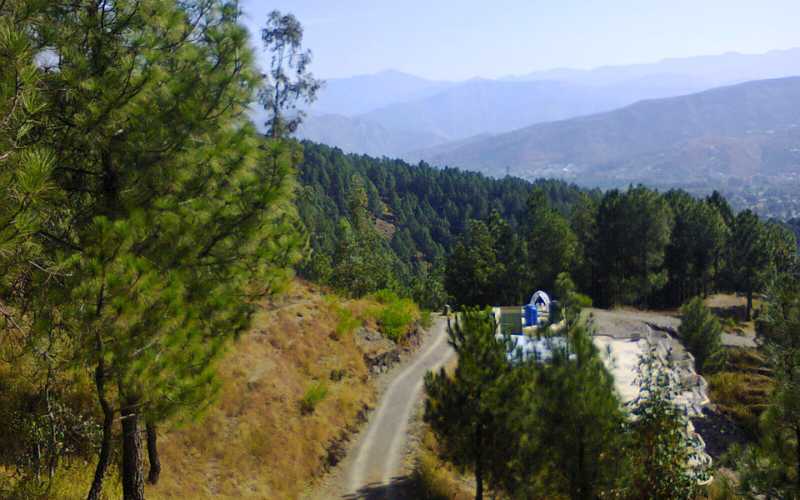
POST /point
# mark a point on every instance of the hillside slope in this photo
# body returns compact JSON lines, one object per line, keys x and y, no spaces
{"x":737,"y":132}
{"x":257,"y":441}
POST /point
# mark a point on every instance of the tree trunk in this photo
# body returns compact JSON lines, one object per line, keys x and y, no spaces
{"x":479,"y":465}
{"x":749,"y":310}
{"x":105,"y":446}
{"x":797,"y":457}
{"x":152,"y":454}
{"x":132,"y":466}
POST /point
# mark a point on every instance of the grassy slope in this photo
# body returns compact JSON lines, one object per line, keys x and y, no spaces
{"x":255,"y":441}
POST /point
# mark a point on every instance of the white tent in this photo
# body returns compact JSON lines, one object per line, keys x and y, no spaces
{"x":539,"y":299}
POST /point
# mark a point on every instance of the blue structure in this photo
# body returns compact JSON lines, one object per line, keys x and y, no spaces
{"x":531,"y":315}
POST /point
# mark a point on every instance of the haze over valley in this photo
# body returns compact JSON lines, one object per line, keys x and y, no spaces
{"x":723,"y":122}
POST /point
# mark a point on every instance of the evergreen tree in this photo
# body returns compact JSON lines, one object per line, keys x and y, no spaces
{"x":702,"y":335}
{"x":698,"y":238}
{"x":467,"y":410}
{"x":771,"y":467}
{"x":288,"y":81}
{"x":569,"y":425}
{"x":175,"y":217}
{"x":583,"y":221}
{"x":552,"y":246}
{"x":749,"y":256}
{"x":633,"y":229}
{"x":473,"y":270}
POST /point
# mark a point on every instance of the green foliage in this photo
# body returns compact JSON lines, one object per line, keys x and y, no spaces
{"x":154,"y":214}
{"x":425,"y":319}
{"x":466,"y":411}
{"x":571,"y":302}
{"x":346,"y":323}
{"x":695,"y":252}
{"x":633,"y":230}
{"x":701,"y":333}
{"x":473,"y":271}
{"x":772,"y":467}
{"x":422,"y":212}
{"x":288,"y":80}
{"x":313,"y":396}
{"x":397,"y":314}
{"x":666,"y":464}
{"x":551,"y":244}
{"x":749,"y":255}
{"x":571,"y":426}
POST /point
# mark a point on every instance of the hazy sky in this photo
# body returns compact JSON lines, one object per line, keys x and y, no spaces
{"x":459,"y":39}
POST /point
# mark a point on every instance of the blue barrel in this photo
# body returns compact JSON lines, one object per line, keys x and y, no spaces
{"x":531,"y":315}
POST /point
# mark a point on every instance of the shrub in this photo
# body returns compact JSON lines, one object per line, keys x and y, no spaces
{"x":347,"y":322}
{"x":313,"y":396}
{"x":396,"y":317}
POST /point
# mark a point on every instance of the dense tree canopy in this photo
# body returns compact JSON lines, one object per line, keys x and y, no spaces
{"x":165,"y":214}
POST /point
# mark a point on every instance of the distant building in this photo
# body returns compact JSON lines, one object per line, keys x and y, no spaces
{"x":522,"y":324}
{"x":517,"y":320}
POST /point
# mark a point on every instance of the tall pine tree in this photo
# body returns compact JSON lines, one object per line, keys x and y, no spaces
{"x":176,"y":217}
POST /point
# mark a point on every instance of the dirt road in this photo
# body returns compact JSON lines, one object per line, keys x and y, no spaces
{"x":374,"y":467}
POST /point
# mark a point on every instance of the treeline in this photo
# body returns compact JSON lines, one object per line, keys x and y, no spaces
{"x":382,"y":223}
{"x":634,"y":246}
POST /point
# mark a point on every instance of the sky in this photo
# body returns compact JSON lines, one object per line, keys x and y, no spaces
{"x":461,"y":39}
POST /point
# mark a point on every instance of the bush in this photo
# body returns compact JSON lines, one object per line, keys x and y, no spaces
{"x":313,"y":396}
{"x":394,"y":315}
{"x":347,"y":322}
{"x":396,"y":318}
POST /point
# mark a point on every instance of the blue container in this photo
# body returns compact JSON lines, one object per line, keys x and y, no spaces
{"x":531,"y":315}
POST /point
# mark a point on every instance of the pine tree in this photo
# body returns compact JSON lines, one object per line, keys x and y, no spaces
{"x":176,"y":217}
{"x":467,"y":410}
{"x":749,"y":256}
{"x":473,"y":271}
{"x":288,"y":80}
{"x":552,"y":247}
{"x":701,"y":333}
{"x":569,"y":424}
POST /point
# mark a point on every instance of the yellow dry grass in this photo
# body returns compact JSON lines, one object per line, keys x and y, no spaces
{"x":255,"y":442}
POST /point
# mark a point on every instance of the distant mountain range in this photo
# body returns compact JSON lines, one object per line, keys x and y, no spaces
{"x":396,"y":114}
{"x":735,"y":132}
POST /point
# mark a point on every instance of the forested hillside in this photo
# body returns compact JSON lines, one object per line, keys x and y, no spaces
{"x":448,"y":235}
{"x":377,"y":223}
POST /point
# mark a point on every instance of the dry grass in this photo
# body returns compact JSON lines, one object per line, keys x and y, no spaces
{"x":742,"y":390}
{"x":255,"y":441}
{"x":435,"y":479}
{"x":731,"y":308}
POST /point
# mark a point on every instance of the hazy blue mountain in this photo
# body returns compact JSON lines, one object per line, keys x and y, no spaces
{"x":359,"y":94}
{"x":491,"y":106}
{"x":711,"y":70}
{"x":735,"y":132}
{"x":356,"y":135}
{"x":433,"y":111}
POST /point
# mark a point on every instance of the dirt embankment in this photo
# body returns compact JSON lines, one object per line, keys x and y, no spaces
{"x":260,"y":440}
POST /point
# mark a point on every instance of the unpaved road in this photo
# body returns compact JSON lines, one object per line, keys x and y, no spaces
{"x":374,"y":467}
{"x":375,"y":464}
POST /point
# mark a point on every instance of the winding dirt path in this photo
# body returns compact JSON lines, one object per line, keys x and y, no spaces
{"x":374,"y":467}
